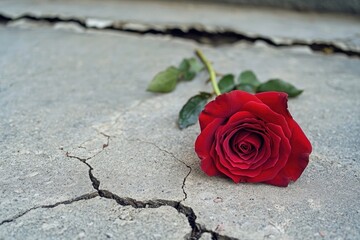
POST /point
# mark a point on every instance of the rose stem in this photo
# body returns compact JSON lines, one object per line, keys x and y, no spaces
{"x":210,"y":70}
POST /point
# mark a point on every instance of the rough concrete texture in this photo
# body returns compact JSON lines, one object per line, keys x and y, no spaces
{"x":34,"y":128}
{"x":346,"y":6}
{"x":75,"y":101}
{"x":104,"y":219}
{"x":279,"y":26}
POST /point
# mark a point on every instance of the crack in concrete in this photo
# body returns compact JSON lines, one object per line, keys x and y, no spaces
{"x":94,"y":181}
{"x":66,"y":202}
{"x":116,"y":122}
{"x":336,"y":88}
{"x":173,"y":156}
{"x":105,"y":145}
{"x":196,"y":229}
{"x":201,"y":34}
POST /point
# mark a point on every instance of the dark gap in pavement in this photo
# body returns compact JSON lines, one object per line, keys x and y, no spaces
{"x":196,"y":229}
{"x":4,"y":19}
{"x":218,"y":38}
{"x":66,"y":202}
{"x":173,"y":156}
{"x":230,"y":37}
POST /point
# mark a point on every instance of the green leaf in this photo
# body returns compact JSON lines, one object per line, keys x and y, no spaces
{"x":195,"y":65}
{"x":246,"y":87}
{"x":226,"y":83}
{"x":189,"y":113}
{"x":279,"y":85}
{"x":248,"y":77}
{"x":189,"y":67}
{"x":164,"y":81}
{"x":187,"y":76}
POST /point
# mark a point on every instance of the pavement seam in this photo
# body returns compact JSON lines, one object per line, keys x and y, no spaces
{"x":194,"y":32}
{"x":66,"y":202}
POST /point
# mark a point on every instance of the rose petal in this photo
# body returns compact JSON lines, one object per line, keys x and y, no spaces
{"x":272,"y":149}
{"x":270,"y":173}
{"x":254,"y":140}
{"x":225,"y":151}
{"x":262,"y":154}
{"x":226,"y":132}
{"x":203,"y":146}
{"x":277,"y":101}
{"x":208,"y":166}
{"x":299,"y":157}
{"x":279,"y":181}
{"x":267,"y":115}
{"x":223,"y":166}
{"x":280,"y":149}
{"x":224,"y":106}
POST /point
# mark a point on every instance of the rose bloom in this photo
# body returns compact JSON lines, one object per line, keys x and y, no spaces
{"x":252,"y":138}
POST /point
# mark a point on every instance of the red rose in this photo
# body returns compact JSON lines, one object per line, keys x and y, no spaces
{"x":252,"y":138}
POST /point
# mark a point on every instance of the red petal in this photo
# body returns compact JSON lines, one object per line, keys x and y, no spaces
{"x":277,"y":101}
{"x":224,"y":106}
{"x":266,"y":114}
{"x":279,"y":181}
{"x":208,"y":166}
{"x":299,"y":157}
{"x":203,"y":146}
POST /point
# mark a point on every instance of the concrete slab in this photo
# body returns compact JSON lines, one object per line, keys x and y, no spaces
{"x":280,"y":26}
{"x":57,"y":108}
{"x":84,"y":93}
{"x":347,"y":6}
{"x":34,"y":179}
{"x":34,"y":128}
{"x":97,"y":218}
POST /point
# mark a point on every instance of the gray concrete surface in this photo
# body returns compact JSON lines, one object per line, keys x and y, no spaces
{"x":75,"y":101}
{"x":345,"y":6}
{"x":104,"y":219}
{"x":280,"y":26}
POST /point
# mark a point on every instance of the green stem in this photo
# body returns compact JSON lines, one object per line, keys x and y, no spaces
{"x":210,"y":70}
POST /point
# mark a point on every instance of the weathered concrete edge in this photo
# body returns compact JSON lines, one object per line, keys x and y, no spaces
{"x":213,"y":35}
{"x":346,"y":6}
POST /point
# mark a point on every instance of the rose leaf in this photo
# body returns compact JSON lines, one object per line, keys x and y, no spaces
{"x":279,"y":85}
{"x":189,"y":113}
{"x":248,"y":77}
{"x":226,"y":83}
{"x":189,"y":67}
{"x":164,"y":81}
{"x":246,"y":87}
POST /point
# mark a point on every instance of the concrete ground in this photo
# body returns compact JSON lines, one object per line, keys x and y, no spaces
{"x":87,"y":153}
